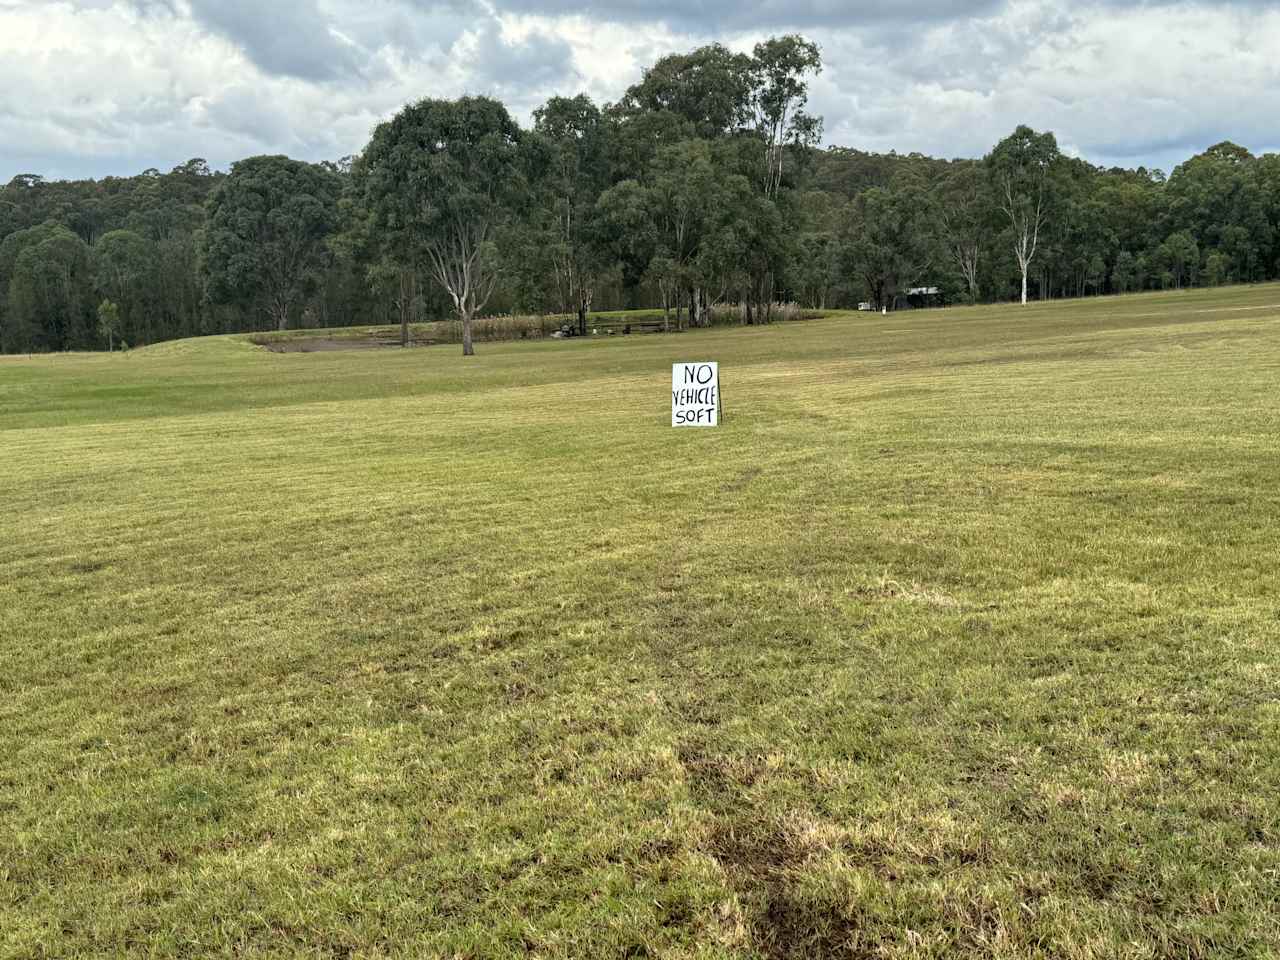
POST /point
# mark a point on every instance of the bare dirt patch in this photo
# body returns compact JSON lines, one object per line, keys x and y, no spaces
{"x":763,"y":862}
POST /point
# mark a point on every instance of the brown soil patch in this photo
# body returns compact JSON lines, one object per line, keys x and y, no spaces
{"x":762,"y":863}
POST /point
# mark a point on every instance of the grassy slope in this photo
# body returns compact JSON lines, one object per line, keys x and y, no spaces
{"x":961,"y":638}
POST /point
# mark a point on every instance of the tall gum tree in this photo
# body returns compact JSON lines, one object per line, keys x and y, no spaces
{"x":752,"y":108}
{"x":264,"y":241}
{"x":575,"y":175}
{"x":1019,"y":167}
{"x":445,"y":175}
{"x":962,"y":204}
{"x":121,"y":260}
{"x":780,"y":70}
{"x":1219,"y":197}
{"x":886,"y":240}
{"x":703,"y":94}
{"x":396,"y":276}
{"x":46,"y":280}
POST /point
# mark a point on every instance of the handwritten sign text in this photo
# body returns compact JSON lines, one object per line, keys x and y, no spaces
{"x":695,"y":395}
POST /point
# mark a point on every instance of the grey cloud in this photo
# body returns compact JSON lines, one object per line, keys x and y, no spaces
{"x":537,"y":63}
{"x":324,"y":40}
{"x":409,"y":27}
{"x":241,"y":111}
{"x":943,"y":76}
{"x":1155,"y":98}
{"x":717,"y":16}
{"x":284,"y":38}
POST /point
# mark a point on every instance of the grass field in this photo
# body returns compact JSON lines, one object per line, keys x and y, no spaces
{"x":960,"y":638}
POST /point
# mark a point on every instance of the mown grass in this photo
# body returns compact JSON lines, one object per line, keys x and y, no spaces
{"x":960,"y":639}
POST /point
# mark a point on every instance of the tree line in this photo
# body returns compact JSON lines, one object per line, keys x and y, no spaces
{"x":702,"y":185}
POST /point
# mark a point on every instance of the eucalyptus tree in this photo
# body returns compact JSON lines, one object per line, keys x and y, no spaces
{"x":1078,"y":242}
{"x":1125,"y":273}
{"x":391,"y":280}
{"x":768,"y":233}
{"x":1179,"y":257}
{"x":703,"y":94}
{"x":48,"y":284}
{"x":109,"y":323}
{"x":686,"y":226}
{"x":1220,"y":199}
{"x":123,"y":264}
{"x":1216,"y":268}
{"x":887,"y":238}
{"x":814,"y":268}
{"x":629,"y":236}
{"x":704,"y":219}
{"x":264,"y":242}
{"x":1019,"y":168}
{"x":444,"y":175}
{"x":780,"y":69}
{"x":680,"y":198}
{"x":750,"y":107}
{"x":962,"y":203}
{"x":564,"y":222}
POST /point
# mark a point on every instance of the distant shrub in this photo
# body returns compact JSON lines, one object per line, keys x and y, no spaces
{"x":520,"y":326}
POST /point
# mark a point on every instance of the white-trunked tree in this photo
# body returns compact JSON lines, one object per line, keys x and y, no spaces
{"x":443,"y":176}
{"x":1020,"y":168}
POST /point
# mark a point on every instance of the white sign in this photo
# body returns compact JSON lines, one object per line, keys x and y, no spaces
{"x":695,"y":395}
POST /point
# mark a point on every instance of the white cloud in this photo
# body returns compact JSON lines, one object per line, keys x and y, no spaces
{"x":1118,"y":84}
{"x":90,"y":87}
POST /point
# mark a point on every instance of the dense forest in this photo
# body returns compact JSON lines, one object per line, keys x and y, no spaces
{"x":702,"y":185}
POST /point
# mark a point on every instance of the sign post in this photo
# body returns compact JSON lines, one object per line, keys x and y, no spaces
{"x":695,"y":395}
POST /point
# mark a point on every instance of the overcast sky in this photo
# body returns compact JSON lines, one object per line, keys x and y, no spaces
{"x":95,"y":87}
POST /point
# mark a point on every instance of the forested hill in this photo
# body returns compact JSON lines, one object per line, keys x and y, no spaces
{"x":65,"y":246}
{"x":848,"y":172}
{"x":701,"y":185}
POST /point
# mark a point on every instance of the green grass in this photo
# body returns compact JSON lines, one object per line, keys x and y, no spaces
{"x":961,"y":638}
